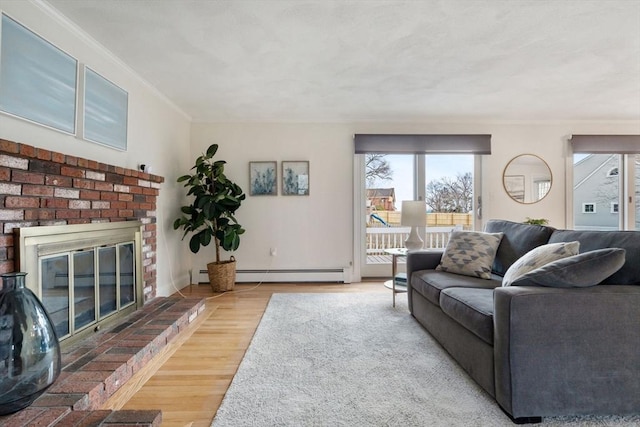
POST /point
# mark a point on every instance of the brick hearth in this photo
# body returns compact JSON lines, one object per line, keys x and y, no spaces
{"x":97,"y":367}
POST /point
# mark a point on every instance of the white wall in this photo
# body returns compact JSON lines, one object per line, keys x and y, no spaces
{"x":158,"y":133}
{"x":313,"y":231}
{"x":316,"y":231}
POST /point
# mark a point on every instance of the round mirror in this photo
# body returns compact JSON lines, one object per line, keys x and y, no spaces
{"x":527,"y":178}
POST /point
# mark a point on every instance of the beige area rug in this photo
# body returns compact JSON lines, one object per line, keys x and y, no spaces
{"x":354,"y":360}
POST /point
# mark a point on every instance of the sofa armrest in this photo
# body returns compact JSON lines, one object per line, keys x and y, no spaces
{"x":567,"y":351}
{"x":426,"y":259}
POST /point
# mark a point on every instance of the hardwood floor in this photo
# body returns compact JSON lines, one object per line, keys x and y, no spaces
{"x":189,"y":386}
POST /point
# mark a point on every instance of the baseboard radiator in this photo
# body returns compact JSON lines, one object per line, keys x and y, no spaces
{"x":316,"y":275}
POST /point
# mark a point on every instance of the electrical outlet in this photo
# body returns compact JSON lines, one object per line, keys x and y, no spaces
{"x":273,"y":251}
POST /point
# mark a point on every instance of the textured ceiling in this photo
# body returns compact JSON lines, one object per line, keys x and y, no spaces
{"x":378,"y":60}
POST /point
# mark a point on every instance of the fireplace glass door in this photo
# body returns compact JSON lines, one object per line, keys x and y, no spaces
{"x":126,"y":263}
{"x":108,"y":286}
{"x":94,"y":296}
{"x":84,"y":293}
{"x":56,"y":291}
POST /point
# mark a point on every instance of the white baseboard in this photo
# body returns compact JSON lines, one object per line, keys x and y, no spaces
{"x":330,"y":275}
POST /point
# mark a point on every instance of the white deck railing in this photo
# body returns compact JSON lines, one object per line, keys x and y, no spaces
{"x":381,"y":238}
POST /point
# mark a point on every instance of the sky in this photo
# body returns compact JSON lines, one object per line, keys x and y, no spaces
{"x":437,"y":166}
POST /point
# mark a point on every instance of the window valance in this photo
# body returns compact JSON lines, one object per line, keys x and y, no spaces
{"x":605,"y":144}
{"x":422,"y":144}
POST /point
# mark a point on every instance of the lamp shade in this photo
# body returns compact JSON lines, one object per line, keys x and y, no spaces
{"x":414,"y":213}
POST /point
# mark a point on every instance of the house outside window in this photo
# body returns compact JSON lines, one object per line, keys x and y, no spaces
{"x":596,"y":185}
{"x":614,"y":207}
{"x":606,"y":169}
{"x":382,"y":199}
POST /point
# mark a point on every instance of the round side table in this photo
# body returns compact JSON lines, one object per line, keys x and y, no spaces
{"x":398,"y":283}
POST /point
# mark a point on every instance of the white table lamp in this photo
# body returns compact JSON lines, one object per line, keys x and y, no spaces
{"x":414,"y":215}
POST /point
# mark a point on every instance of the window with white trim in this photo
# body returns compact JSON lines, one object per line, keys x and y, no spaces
{"x":606,"y":170}
{"x":588,"y":208}
{"x":414,"y":159}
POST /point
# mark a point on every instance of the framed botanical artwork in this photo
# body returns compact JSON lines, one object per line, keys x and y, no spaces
{"x":295,"y":178}
{"x":263,"y":178}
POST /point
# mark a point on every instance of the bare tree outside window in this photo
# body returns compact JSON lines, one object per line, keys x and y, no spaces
{"x":377,"y":168}
{"x":450,"y":194}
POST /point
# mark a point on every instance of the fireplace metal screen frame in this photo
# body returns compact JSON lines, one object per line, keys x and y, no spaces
{"x":31,"y":243}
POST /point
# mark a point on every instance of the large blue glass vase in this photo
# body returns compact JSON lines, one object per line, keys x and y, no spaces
{"x":29,"y":347}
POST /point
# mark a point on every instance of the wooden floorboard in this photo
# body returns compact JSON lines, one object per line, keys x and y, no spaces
{"x":189,"y":386}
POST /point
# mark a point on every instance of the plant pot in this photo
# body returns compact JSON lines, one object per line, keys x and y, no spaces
{"x":222,"y":275}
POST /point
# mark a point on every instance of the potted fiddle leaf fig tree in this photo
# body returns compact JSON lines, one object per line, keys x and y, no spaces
{"x":210,"y":216}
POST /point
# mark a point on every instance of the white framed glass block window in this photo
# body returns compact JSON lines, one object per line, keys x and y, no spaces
{"x":37,"y":80}
{"x":105,"y":111}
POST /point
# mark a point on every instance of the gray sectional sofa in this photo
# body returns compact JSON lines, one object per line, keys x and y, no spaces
{"x":539,"y":350}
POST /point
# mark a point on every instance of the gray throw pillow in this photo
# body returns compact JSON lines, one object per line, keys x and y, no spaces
{"x":470,"y":253}
{"x":518,"y":239}
{"x":586,"y":269}
{"x":537,"y":257}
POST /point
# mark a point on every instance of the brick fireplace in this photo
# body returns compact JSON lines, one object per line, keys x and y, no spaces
{"x":42,"y":187}
{"x":39,"y":187}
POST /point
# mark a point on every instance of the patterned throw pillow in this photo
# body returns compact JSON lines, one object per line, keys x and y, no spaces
{"x":538,"y":257}
{"x":470,"y":253}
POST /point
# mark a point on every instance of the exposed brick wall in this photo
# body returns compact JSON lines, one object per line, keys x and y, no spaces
{"x":41,"y":187}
